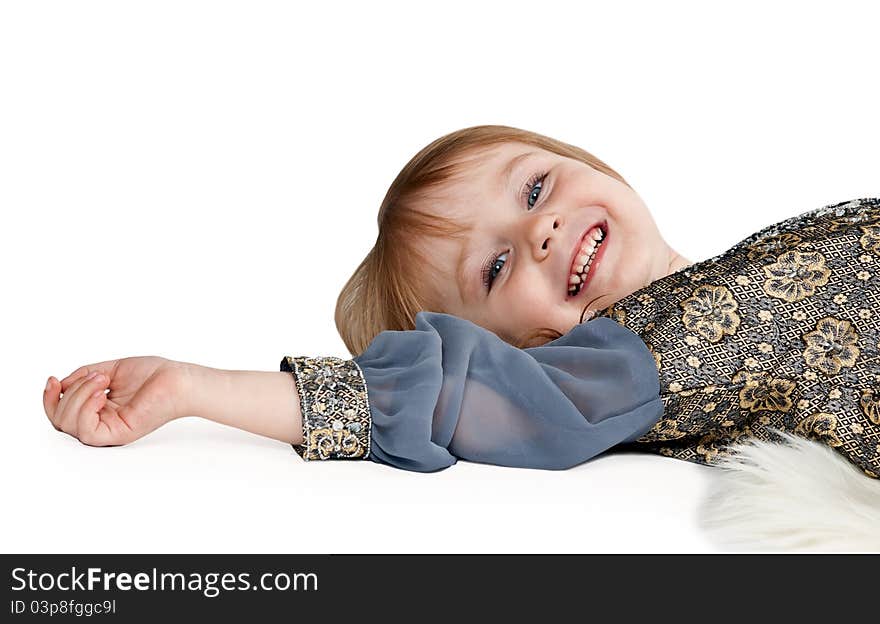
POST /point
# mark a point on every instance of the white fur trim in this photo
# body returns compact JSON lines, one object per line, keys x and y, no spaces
{"x":796,"y":495}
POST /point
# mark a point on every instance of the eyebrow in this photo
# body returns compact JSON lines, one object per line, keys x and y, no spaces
{"x":505,"y":179}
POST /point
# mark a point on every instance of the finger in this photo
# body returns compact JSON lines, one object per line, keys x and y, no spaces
{"x":63,"y":409}
{"x":50,"y":400}
{"x":105,"y":426}
{"x":107,"y":368}
{"x":92,"y":428}
{"x":55,"y":405}
{"x":73,"y":400}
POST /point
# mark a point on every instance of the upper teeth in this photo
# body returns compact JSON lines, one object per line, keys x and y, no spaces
{"x":582,"y":262}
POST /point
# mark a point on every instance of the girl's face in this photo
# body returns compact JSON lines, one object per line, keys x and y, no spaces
{"x":530,"y":210}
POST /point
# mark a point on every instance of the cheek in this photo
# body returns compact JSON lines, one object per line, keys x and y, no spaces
{"x":534,"y":295}
{"x":637,"y":220}
{"x":634,"y":233}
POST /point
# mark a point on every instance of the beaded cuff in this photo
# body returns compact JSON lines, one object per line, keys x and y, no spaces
{"x":335,"y":407}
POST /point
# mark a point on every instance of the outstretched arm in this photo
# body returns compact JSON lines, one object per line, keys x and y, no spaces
{"x":416,"y":399}
{"x":145,"y":392}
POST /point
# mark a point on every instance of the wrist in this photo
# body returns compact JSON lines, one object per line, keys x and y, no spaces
{"x":197,"y":384}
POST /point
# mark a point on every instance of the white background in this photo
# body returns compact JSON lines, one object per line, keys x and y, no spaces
{"x":197,"y":180}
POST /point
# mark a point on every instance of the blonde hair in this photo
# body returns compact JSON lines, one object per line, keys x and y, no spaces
{"x":388,"y":288}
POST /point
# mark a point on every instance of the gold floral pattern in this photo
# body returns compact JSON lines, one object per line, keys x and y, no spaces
{"x":843,"y":223}
{"x":870,"y":404}
{"x":708,"y":447}
{"x":870,"y":240}
{"x":775,"y":334}
{"x":762,"y":392}
{"x":821,"y":426}
{"x":831,"y":345}
{"x":665,"y":429}
{"x":796,"y":275}
{"x":711,"y":312}
{"x":771,"y":246}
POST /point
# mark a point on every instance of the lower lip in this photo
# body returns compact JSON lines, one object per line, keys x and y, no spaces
{"x":593,"y":267}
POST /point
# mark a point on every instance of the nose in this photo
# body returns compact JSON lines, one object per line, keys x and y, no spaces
{"x":543,"y":231}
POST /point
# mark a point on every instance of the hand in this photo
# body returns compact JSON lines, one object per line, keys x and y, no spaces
{"x":145,"y":393}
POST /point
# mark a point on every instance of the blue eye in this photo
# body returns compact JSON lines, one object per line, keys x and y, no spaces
{"x":530,"y":194}
{"x":489,"y":272}
{"x":532,"y":189}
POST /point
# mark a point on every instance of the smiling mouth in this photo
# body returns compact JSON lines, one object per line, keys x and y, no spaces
{"x":583,"y":266}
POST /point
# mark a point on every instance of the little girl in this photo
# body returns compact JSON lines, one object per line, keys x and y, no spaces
{"x":520,"y":308}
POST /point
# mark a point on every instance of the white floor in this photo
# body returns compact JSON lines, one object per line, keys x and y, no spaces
{"x":194,"y":486}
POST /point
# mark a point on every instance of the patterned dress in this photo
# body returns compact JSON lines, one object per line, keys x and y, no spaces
{"x":781,"y":331}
